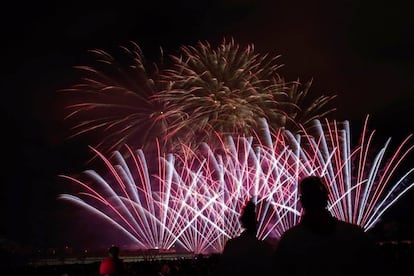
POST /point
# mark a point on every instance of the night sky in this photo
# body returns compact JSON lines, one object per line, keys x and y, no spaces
{"x":361,"y":51}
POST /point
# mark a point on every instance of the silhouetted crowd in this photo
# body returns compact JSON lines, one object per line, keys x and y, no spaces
{"x":197,"y":266}
{"x":398,"y":257}
{"x":319,"y":245}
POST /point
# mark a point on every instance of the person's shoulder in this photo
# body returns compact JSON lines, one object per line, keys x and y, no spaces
{"x":106,"y":260}
{"x":231,"y":244}
{"x":233,"y":241}
{"x":354,"y":232}
{"x":292,"y":235}
{"x":344,"y":225}
{"x":294,"y":230}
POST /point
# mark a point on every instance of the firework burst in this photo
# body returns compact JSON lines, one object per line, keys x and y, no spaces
{"x":112,"y":102}
{"x":194,"y":200}
{"x":223,"y":90}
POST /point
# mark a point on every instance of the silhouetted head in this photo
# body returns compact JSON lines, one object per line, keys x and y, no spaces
{"x":248,"y":217}
{"x":313,"y":193}
{"x":113,"y":251}
{"x":165,"y":269}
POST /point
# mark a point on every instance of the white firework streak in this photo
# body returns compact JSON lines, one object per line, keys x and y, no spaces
{"x":360,"y":186}
{"x":194,"y":200}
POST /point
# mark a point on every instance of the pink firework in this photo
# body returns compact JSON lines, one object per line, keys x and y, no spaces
{"x":193,"y":201}
{"x":359,"y":179}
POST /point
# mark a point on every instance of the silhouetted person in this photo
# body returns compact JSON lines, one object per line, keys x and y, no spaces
{"x":246,"y":254}
{"x":321,"y":244}
{"x":165,"y":270}
{"x":112,"y":265}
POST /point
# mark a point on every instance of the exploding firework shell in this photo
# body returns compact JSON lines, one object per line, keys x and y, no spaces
{"x":205,"y":90}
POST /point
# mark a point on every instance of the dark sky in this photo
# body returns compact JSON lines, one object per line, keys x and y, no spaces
{"x":358,"y":50}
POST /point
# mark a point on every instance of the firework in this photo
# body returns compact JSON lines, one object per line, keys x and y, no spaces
{"x":193,"y":201}
{"x":359,"y":180}
{"x":204,"y":90}
{"x":113,"y":102}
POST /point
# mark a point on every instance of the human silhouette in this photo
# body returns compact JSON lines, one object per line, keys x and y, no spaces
{"x":165,"y":270}
{"x":246,"y":254}
{"x":320,"y":244}
{"x":112,"y":265}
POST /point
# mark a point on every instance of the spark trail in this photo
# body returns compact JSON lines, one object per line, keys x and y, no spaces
{"x":193,"y":201}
